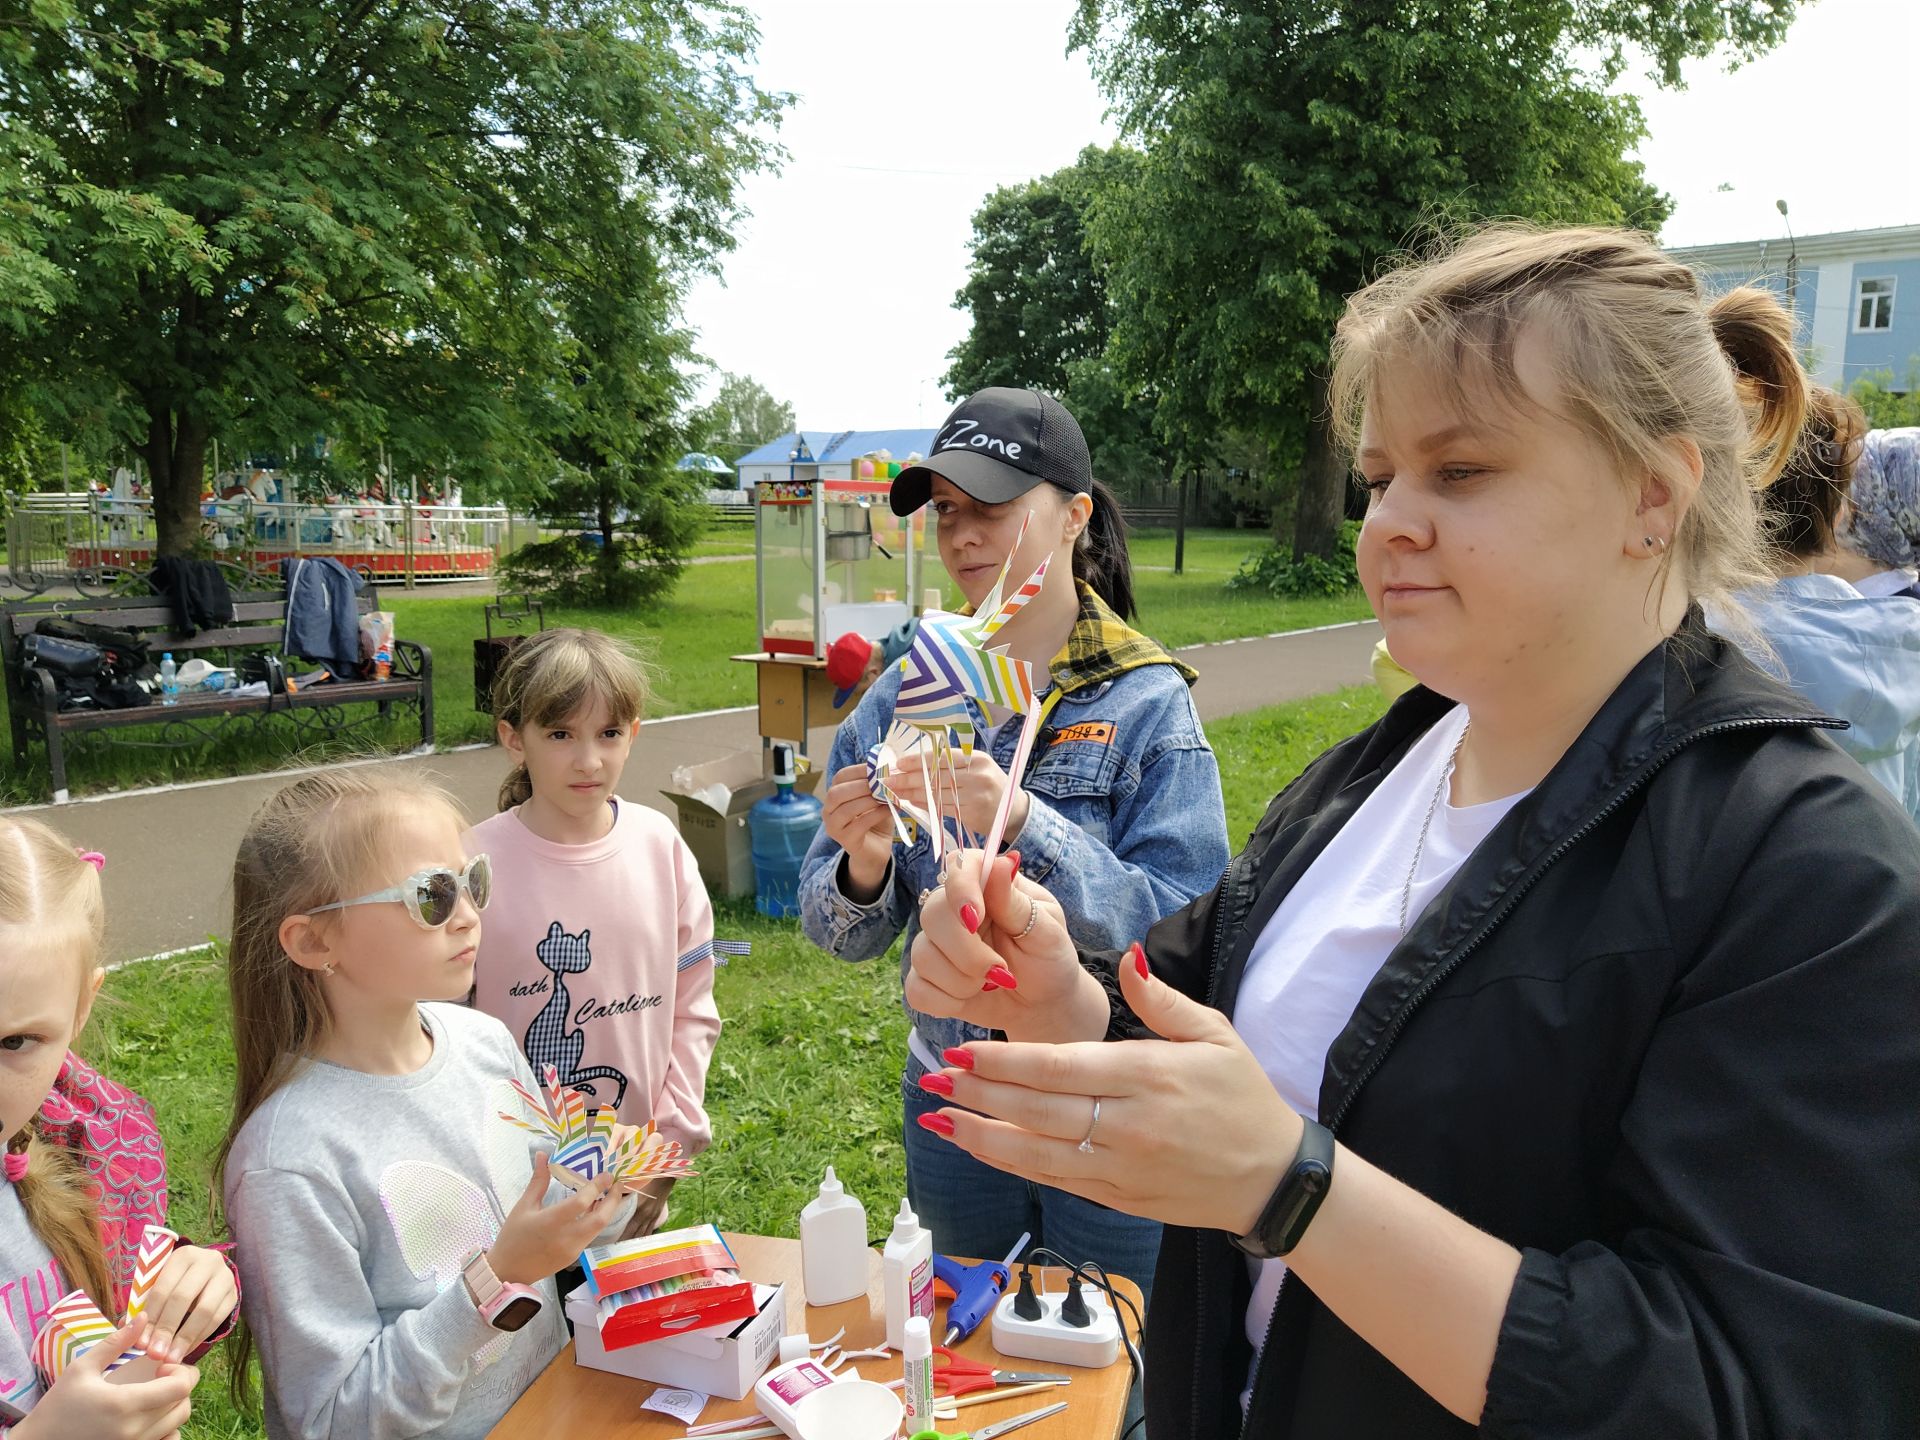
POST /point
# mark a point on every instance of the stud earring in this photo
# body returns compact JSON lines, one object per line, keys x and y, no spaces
{"x":1651,"y":541}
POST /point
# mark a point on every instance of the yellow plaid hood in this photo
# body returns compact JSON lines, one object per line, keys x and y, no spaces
{"x":1103,"y":646}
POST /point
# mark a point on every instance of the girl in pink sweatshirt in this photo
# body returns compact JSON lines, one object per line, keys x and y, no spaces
{"x":598,"y":947}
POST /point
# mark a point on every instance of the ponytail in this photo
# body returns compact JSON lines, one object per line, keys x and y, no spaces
{"x":1100,"y":556}
{"x":1756,"y":336}
{"x":56,"y":1195}
{"x":1804,"y":503}
{"x":516,"y":789}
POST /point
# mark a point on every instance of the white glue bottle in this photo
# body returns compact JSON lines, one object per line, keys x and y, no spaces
{"x":906,"y":1275}
{"x":919,"y":1387}
{"x":833,"y":1245}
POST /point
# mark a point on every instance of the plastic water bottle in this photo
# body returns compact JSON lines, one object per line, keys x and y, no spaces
{"x":781,"y":827}
{"x":169,"y":681}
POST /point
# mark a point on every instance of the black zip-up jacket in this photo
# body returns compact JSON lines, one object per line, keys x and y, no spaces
{"x":1661,"y":1033}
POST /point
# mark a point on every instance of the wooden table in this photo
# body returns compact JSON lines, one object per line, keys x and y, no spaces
{"x":795,"y":697}
{"x":571,"y":1400}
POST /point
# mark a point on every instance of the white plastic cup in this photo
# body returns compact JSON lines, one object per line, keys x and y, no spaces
{"x":850,"y":1410}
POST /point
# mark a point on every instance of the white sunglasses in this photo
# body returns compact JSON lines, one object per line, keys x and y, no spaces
{"x":431,"y":896}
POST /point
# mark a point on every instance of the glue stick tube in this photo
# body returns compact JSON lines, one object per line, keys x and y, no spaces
{"x":918,"y":1390}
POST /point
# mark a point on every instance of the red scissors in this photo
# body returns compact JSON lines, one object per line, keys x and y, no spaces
{"x":955,"y":1375}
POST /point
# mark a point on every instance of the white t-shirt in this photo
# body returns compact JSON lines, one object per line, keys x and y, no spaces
{"x":1334,"y":930}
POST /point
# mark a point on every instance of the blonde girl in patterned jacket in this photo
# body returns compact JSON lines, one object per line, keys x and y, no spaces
{"x":85,"y":1173}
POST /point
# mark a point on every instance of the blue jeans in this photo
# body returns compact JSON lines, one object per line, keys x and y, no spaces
{"x":978,"y":1211}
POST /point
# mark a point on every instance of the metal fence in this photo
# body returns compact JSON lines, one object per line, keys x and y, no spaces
{"x":100,"y":544}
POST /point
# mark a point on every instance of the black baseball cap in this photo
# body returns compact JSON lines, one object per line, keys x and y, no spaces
{"x":998,"y":444}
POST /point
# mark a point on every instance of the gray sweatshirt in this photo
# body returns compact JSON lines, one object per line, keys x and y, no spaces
{"x":355,"y":1200}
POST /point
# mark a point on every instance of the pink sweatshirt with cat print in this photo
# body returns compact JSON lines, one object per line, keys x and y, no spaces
{"x":599,"y":959}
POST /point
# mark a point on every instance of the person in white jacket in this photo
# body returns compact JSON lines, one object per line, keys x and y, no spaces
{"x":1836,"y":632}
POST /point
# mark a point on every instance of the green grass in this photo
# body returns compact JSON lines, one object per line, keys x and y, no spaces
{"x":1261,"y":750}
{"x":807,"y":1072}
{"x":1209,"y":552}
{"x":728,"y":540}
{"x":690,"y":637}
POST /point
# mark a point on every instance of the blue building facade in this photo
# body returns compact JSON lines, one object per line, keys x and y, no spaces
{"x":1855,"y":295}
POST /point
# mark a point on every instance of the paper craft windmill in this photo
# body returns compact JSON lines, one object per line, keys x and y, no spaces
{"x":75,"y":1325}
{"x":897,"y":754}
{"x":951,"y":662}
{"x":585,"y":1146}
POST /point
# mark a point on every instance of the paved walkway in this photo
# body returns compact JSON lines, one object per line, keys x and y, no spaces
{"x":170,"y":851}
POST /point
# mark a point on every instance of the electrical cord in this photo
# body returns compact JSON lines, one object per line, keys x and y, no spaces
{"x":1092,"y":1272}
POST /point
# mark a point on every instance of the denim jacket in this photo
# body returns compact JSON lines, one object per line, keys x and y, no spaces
{"x":1125,"y":822}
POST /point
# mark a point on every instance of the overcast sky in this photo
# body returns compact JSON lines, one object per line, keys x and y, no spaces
{"x":839,"y":297}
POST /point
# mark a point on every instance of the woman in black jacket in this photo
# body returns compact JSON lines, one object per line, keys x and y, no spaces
{"x":1548,"y":1061}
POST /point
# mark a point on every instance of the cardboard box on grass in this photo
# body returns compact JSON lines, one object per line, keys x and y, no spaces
{"x":723,"y":1361}
{"x":712,"y":800}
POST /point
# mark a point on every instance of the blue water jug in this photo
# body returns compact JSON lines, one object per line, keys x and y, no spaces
{"x":781,"y":827}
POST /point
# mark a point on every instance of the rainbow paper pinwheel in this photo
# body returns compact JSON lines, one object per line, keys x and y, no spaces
{"x":952,"y":662}
{"x":587,"y":1146}
{"x":75,"y":1325}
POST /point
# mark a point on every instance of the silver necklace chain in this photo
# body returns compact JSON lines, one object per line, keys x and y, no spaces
{"x":1433,"y":808}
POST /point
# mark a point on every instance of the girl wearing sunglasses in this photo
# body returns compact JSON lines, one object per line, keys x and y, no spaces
{"x":599,"y":954}
{"x":397,"y":1239}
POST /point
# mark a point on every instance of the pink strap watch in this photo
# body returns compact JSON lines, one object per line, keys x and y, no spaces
{"x":502,"y":1305}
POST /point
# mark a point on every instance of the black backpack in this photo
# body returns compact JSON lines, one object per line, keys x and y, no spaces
{"x":92,"y":667}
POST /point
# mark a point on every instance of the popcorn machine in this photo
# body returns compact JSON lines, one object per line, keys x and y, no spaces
{"x":830,"y":557}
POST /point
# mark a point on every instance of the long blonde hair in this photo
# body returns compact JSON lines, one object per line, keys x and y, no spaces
{"x":547,"y":678}
{"x":311,"y":844}
{"x":46,"y":887}
{"x":1641,"y":356}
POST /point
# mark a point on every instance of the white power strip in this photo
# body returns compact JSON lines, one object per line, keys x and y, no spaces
{"x":1093,"y":1346}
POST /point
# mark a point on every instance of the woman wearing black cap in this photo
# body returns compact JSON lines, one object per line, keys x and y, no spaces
{"x":1119,"y":815}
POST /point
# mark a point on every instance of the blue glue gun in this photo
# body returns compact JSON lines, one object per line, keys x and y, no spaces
{"x":977,"y":1288}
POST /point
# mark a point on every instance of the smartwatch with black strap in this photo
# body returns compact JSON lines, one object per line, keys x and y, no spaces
{"x":1295,"y":1199}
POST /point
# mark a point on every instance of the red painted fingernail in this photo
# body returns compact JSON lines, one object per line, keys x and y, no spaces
{"x":970,"y":918}
{"x":988,"y":986}
{"x":938,"y":1124}
{"x":936,"y":1083}
{"x":1014,"y":856}
{"x":1140,"y":961}
{"x":958,"y":1058}
{"x":1003,"y":977}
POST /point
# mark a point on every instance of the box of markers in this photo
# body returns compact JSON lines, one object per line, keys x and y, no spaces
{"x":659,"y":1286}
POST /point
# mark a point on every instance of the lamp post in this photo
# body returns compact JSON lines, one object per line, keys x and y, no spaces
{"x":1793,"y":262}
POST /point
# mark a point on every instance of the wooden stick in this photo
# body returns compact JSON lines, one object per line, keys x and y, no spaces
{"x":933,"y":802}
{"x":959,"y":820}
{"x":1029,"y":728}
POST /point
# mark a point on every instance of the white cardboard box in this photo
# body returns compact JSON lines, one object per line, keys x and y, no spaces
{"x":714,"y":1362}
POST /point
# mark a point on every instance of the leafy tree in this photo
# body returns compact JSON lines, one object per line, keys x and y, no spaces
{"x":742,"y":415}
{"x":1037,"y":300}
{"x":1886,"y":407}
{"x":630,"y":514}
{"x":1291,"y":145}
{"x":376,"y":221}
{"x":1041,"y":316}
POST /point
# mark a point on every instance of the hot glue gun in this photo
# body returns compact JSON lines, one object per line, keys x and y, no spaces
{"x":976,"y":1288}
